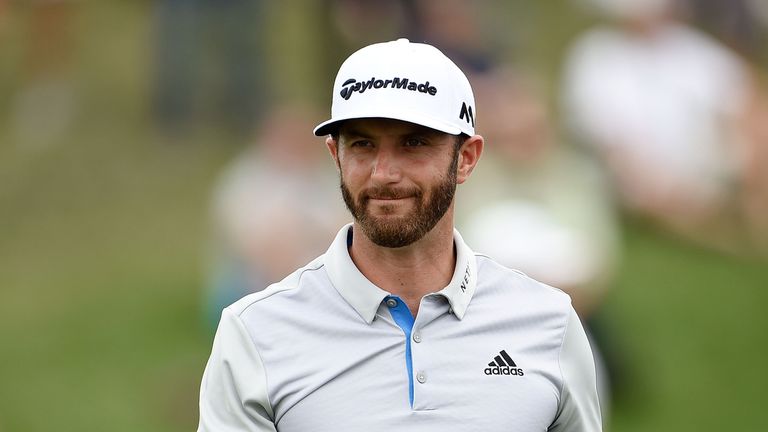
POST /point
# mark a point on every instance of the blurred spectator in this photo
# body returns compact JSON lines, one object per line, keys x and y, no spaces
{"x":458,"y":29}
{"x":45,"y":106}
{"x":275,"y":208}
{"x":535,"y":205}
{"x":557,"y":221}
{"x":208,"y":65}
{"x":664,"y":105}
{"x":362,"y":22}
{"x":755,"y":194}
{"x":453,"y":26}
{"x":352,"y":24}
{"x":735,"y":22}
{"x":742,"y":25}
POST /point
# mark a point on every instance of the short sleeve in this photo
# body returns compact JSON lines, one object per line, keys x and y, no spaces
{"x":233,"y":393}
{"x":579,"y":409}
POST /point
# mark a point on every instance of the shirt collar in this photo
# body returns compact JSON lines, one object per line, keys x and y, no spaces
{"x":461,"y":288}
{"x":365,"y":297}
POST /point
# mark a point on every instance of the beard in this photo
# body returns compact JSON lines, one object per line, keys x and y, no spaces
{"x":396,"y":232}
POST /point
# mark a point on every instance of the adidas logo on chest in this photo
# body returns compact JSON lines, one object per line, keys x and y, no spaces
{"x":503,"y":364}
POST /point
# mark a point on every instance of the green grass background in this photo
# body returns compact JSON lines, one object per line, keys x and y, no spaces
{"x":102,"y":253}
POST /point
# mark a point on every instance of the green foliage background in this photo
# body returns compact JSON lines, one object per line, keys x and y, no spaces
{"x":103,"y":239}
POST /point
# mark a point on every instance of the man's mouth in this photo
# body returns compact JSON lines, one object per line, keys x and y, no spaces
{"x":387,"y":198}
{"x":389,"y":195}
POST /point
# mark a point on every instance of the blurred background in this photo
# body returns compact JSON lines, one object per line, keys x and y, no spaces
{"x":157,"y":163}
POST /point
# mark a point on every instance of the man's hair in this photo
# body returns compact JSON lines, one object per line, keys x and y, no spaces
{"x":459,"y":141}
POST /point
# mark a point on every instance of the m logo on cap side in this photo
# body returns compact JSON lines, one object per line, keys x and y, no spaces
{"x":466,"y":114}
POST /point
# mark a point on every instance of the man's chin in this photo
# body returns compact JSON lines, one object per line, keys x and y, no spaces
{"x":391,"y":231}
{"x":391,"y":239}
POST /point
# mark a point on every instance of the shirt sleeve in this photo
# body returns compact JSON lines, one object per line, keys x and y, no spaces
{"x":579,"y":409}
{"x":233,"y":393}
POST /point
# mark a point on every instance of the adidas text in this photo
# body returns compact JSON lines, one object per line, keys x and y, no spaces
{"x":352,"y":85}
{"x":504,"y":370}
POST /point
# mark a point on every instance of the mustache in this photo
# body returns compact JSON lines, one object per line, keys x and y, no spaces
{"x":383,"y":192}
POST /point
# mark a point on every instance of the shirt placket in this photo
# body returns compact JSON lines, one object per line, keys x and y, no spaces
{"x":424,"y":371}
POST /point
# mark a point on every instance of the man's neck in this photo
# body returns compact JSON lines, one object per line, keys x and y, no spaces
{"x":409,"y":272}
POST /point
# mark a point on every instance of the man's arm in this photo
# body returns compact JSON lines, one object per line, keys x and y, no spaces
{"x":579,"y":409}
{"x":233,"y":393}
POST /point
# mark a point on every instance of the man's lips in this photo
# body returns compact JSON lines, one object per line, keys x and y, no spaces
{"x":388,"y":198}
{"x":389,"y":194}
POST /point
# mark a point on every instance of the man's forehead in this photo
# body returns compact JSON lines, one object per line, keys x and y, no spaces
{"x":370,"y":127}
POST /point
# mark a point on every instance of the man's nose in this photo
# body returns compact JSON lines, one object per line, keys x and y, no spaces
{"x":386,"y":166}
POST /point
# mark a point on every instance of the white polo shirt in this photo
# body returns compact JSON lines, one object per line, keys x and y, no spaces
{"x":327,"y":350}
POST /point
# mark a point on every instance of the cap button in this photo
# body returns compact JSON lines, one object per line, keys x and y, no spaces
{"x":403,"y":40}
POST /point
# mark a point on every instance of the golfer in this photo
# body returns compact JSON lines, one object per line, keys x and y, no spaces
{"x":400,"y":326}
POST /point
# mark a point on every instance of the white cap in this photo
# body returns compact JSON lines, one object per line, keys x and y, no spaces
{"x":406,"y":81}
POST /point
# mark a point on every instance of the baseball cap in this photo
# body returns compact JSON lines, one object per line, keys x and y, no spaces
{"x":402,"y":80}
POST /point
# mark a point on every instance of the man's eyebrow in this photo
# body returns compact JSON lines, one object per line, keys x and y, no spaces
{"x":355,"y":133}
{"x":417,"y":131}
{"x":351,"y":130}
{"x":423,"y":131}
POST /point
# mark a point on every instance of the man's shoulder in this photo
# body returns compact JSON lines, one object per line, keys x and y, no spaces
{"x":290,"y":283}
{"x":512,"y":282}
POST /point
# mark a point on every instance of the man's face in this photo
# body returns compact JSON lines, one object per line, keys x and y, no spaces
{"x":397,"y":179}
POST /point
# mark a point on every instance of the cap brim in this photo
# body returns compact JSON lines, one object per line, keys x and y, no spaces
{"x":327,"y":127}
{"x":330,"y":126}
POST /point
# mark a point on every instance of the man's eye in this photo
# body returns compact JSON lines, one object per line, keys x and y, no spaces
{"x":361,"y":143}
{"x":415,"y":142}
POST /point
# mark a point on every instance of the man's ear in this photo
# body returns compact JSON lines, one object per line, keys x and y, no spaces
{"x":333,"y":148}
{"x":469,"y":155}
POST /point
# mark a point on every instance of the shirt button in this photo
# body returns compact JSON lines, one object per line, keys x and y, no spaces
{"x":421,"y":377}
{"x":417,"y":337}
{"x":391,"y":302}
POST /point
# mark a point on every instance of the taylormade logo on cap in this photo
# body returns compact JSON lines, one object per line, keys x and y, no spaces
{"x":405,"y":81}
{"x":352,"y":85}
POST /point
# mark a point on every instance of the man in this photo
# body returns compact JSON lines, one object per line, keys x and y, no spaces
{"x":399,"y":325}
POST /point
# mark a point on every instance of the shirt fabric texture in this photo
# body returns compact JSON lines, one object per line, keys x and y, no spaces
{"x":327,"y":350}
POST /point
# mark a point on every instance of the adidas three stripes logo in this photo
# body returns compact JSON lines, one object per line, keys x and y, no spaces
{"x":503,"y":364}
